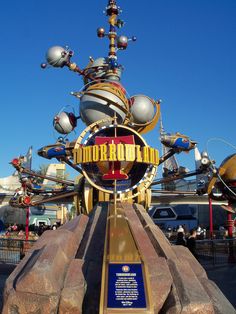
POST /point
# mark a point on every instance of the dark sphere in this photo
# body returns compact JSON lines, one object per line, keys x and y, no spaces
{"x":43,"y":65}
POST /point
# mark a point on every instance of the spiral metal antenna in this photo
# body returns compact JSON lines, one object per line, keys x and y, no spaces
{"x":115,"y":42}
{"x":113,"y":11}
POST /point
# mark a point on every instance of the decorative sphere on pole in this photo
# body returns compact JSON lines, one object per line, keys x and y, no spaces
{"x":122,"y":42}
{"x":101,"y":32}
{"x":57,"y":56}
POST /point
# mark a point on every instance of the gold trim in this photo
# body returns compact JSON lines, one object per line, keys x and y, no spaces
{"x":88,"y":197}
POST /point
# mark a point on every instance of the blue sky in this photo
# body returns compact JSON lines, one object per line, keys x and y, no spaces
{"x":185,"y":54}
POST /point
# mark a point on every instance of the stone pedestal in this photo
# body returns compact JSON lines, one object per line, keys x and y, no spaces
{"x":63,"y":271}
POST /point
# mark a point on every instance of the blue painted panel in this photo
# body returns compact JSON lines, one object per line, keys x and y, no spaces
{"x":126,"y":286}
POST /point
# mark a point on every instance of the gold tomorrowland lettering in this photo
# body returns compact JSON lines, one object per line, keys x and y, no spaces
{"x":116,"y":152}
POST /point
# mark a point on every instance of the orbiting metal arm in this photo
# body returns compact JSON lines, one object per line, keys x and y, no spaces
{"x":170,"y":153}
{"x":32,"y":194}
{"x":175,"y":192}
{"x":27,"y":200}
{"x":17,"y":165}
{"x":69,"y":163}
{"x":74,"y":67}
{"x":53,"y":198}
{"x":177,"y":177}
{"x":60,"y":151}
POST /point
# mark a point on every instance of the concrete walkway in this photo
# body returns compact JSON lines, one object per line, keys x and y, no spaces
{"x":5,"y":271}
{"x":225,"y":277}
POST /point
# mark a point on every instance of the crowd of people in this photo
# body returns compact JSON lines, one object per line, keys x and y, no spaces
{"x":18,"y":231}
{"x":189,"y":242}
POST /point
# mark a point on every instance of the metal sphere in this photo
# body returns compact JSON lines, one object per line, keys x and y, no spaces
{"x":122,"y":42}
{"x":57,"y":56}
{"x":64,"y":122}
{"x":101,"y":32}
{"x":142,"y":109}
{"x":43,"y":65}
{"x":99,"y":102}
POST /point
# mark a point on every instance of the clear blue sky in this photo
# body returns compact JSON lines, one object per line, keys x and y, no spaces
{"x":185,"y":54}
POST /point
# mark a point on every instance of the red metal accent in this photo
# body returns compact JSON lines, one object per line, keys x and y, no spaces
{"x":114,"y":172}
{"x":27,"y":224}
{"x":230,"y":224}
{"x":15,"y":161}
{"x":27,"y":200}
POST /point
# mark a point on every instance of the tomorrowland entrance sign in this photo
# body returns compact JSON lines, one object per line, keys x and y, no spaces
{"x":115,"y":152}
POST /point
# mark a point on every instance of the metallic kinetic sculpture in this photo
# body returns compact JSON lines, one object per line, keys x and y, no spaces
{"x":110,"y":154}
{"x":115,"y":165}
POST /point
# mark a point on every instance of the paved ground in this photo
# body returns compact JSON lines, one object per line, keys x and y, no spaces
{"x":225,"y":278}
{"x":223,"y":275}
{"x":5,"y":270}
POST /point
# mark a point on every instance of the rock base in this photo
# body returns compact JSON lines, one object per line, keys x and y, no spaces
{"x":62,"y":272}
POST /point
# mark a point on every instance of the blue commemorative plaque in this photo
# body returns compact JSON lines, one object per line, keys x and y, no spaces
{"x":125,"y":286}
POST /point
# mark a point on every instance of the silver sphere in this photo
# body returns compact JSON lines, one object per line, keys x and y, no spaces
{"x":122,"y":42}
{"x":142,"y":109}
{"x":57,"y":56}
{"x":99,"y":102}
{"x":64,"y":122}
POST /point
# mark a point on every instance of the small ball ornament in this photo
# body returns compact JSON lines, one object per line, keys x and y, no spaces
{"x":101,"y":32}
